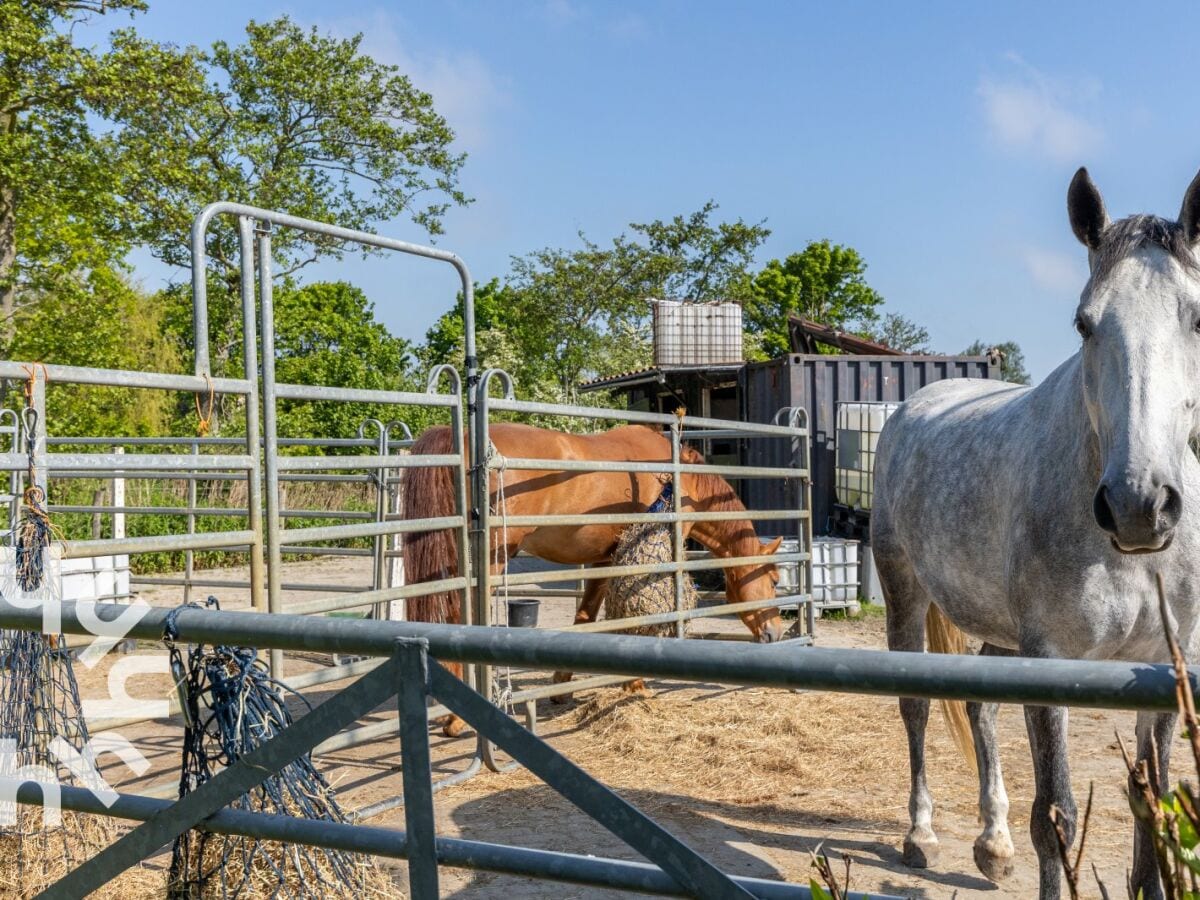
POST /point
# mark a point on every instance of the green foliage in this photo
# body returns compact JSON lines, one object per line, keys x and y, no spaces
{"x":563,"y":314}
{"x":494,"y":304}
{"x":214,"y":495}
{"x":326,"y":333}
{"x":825,"y":282}
{"x":707,"y":262}
{"x":101,"y":321}
{"x":899,"y":333}
{"x":60,"y":207}
{"x":1012,"y":359}
{"x":291,"y":120}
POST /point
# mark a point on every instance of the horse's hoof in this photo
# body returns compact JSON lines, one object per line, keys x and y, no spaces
{"x":453,"y":726}
{"x":920,"y":850}
{"x":994,"y":857}
{"x":562,"y":678}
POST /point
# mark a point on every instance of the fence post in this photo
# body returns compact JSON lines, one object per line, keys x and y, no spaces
{"x":677,"y":543}
{"x":270,"y":436}
{"x":254,"y":486}
{"x":380,"y":544}
{"x":412,"y":679}
{"x":189,"y":556}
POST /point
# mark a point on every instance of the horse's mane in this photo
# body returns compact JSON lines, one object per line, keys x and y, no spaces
{"x":1122,"y":237}
{"x":712,"y":493}
{"x":717,"y":494}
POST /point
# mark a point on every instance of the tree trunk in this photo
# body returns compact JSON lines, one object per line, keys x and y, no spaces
{"x":8,"y":248}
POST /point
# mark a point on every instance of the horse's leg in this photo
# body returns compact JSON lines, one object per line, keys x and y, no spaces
{"x":589,"y":610}
{"x":1161,"y":726}
{"x":907,"y":604}
{"x":994,"y":847}
{"x":1047,"y":726}
{"x":452,"y":725}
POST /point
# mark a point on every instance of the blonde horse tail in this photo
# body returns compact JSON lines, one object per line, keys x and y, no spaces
{"x":944,"y":637}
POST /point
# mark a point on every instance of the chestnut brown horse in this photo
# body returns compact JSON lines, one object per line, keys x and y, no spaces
{"x":430,"y":492}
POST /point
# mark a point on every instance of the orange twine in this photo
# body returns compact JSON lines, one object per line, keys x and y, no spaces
{"x":205,"y":421}
{"x":31,"y":371}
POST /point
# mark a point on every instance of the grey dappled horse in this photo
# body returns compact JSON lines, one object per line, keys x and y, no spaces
{"x":1035,"y":519}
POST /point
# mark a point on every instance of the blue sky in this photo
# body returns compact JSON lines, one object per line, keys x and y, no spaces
{"x":937,"y":138}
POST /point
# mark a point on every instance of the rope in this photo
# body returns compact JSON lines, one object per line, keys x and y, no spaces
{"x":503,"y":691}
{"x":33,"y":531}
{"x":204,"y":422}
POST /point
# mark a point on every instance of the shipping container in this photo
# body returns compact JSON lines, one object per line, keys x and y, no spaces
{"x":818,"y":383}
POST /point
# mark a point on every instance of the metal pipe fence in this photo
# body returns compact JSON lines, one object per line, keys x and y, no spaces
{"x":261,"y":464}
{"x":408,"y":655}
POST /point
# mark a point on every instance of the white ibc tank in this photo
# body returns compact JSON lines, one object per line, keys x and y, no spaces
{"x":858,"y":427}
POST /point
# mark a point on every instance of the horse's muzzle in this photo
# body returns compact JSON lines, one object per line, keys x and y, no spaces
{"x":1138,"y":521}
{"x":771,"y":633}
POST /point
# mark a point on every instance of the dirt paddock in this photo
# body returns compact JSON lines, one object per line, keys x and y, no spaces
{"x":753,"y":778}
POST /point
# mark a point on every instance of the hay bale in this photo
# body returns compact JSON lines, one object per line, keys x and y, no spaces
{"x":34,"y":855}
{"x":643,"y":595}
{"x":232,"y":866}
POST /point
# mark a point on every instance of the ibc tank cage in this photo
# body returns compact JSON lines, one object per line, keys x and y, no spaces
{"x":697,"y":334}
{"x":856,"y":443}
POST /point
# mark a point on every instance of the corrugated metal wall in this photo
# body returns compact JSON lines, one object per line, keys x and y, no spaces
{"x":818,"y":383}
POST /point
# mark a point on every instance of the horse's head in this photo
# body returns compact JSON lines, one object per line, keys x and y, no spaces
{"x":757,"y":582}
{"x":1139,"y":317}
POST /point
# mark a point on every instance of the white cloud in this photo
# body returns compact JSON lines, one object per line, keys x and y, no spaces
{"x":561,"y":12}
{"x":465,"y":90}
{"x":1053,"y":271}
{"x":1028,"y":112}
{"x":628,"y":27}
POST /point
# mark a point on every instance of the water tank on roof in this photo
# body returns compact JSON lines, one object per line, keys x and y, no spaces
{"x":697,"y":334}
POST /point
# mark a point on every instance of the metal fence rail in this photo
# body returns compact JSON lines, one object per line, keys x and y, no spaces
{"x":375,"y":460}
{"x":410,"y":673}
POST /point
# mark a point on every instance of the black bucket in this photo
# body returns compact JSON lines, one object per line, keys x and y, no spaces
{"x":523,"y":612}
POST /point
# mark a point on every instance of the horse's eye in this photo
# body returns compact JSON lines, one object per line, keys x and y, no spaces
{"x":1197,"y":326}
{"x":1085,"y":331}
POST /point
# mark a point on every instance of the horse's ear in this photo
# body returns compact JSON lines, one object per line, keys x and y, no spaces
{"x":1085,"y":207}
{"x":1189,"y":214}
{"x":770,"y":547}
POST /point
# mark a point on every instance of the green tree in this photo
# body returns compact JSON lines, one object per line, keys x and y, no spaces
{"x":1012,"y":359}
{"x":825,"y":282}
{"x":709,"y":262}
{"x":563,"y":314}
{"x":291,"y":120}
{"x":61,"y":211}
{"x":326,"y":333}
{"x":444,"y":341}
{"x":99,"y":320}
{"x":899,"y":333}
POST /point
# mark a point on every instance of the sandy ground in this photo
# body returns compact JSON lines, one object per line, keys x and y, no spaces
{"x":840,"y":780}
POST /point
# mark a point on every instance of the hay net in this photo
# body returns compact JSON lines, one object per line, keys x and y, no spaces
{"x":641,"y":595}
{"x":231,"y":705}
{"x":43,"y":737}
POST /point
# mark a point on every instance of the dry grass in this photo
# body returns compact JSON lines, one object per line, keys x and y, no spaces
{"x":33,"y":856}
{"x":738,"y":746}
{"x":245,"y":868}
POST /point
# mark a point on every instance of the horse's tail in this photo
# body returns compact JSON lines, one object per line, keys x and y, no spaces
{"x":944,"y":637}
{"x":431,"y":555}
